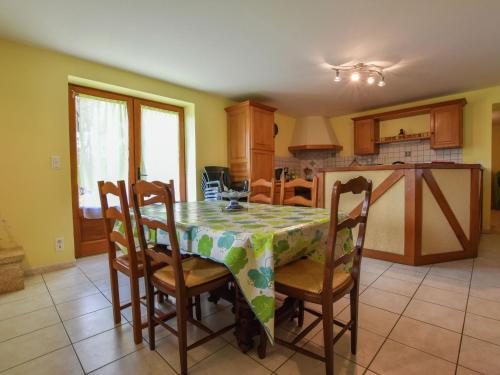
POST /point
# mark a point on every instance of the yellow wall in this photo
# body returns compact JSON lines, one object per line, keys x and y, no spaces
{"x":286,"y":125}
{"x":35,"y":200}
{"x":495,"y":139}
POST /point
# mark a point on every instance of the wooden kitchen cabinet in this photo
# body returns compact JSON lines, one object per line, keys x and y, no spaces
{"x":446,"y":126}
{"x":366,"y":136}
{"x":250,"y":141}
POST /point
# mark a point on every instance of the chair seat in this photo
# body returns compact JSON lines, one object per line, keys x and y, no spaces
{"x":123,"y":263}
{"x":197,"y":271}
{"x":307,"y":275}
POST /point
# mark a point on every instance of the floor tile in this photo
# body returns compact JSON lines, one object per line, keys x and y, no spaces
{"x":142,"y":361}
{"x":72,"y":293}
{"x":385,"y":300}
{"x":438,"y":315}
{"x":24,"y":306}
{"x":443,"y":297}
{"x":484,"y":307}
{"x":485,"y":291}
{"x":395,"y":358}
{"x":460,"y":270}
{"x":26,"y":323}
{"x":90,"y":324}
{"x":453,"y":285}
{"x":368,"y":345}
{"x":405,"y":274}
{"x":480,"y":356}
{"x":482,"y":328}
{"x":168,"y":347}
{"x":85,"y":305}
{"x":106,"y":347}
{"x":368,"y":277}
{"x":218,"y":364}
{"x":437,"y":341}
{"x":300,"y":364}
{"x":24,"y":348}
{"x":59,"y":362}
{"x":403,"y":287}
{"x":465,"y":371}
{"x":33,"y":279}
{"x":29,"y":291}
{"x":276,"y":355}
{"x":373,"y":319}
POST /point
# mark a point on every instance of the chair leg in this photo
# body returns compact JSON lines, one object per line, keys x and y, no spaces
{"x":161,"y":297}
{"x":115,"y":295}
{"x":354,"y":318}
{"x":300,"y":321}
{"x":328,"y":336}
{"x":261,"y":350}
{"x":182,"y":332}
{"x":150,"y":302}
{"x":136,"y":309}
{"x":197,"y":303}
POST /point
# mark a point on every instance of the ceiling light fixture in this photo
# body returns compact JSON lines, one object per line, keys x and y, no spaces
{"x":337,"y":76}
{"x":372,"y":73}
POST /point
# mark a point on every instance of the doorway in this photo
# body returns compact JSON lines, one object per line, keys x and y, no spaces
{"x":117,"y":137}
{"x":495,"y":170}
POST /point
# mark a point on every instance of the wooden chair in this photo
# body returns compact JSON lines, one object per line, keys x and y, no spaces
{"x":324,"y":284}
{"x":130,"y":264}
{"x":298,"y":200}
{"x":182,"y":279}
{"x":259,"y":196}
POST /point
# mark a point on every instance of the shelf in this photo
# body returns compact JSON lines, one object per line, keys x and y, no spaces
{"x":406,"y":139}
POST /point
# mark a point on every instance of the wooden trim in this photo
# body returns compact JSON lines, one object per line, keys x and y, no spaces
{"x":413,"y":215}
{"x":321,"y":190}
{"x":380,"y":190}
{"x":447,"y":210}
{"x":475,"y":209}
{"x":390,"y":257}
{"x":315,"y":147}
{"x":408,"y":112}
{"x":50,"y":268}
{"x":401,"y":166}
{"x":182,"y":141}
{"x":249,"y":103}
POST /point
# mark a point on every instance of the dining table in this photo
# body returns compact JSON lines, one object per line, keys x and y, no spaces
{"x":251,"y":243}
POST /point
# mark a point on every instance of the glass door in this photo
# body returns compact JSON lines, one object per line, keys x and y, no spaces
{"x":117,"y":137}
{"x":159,"y":130}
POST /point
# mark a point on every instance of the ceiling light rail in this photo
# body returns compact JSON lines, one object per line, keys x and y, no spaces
{"x":370,"y":73}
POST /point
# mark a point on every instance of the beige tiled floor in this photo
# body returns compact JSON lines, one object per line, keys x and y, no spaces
{"x":441,"y":319}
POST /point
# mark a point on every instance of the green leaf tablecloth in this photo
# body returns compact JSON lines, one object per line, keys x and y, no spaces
{"x":251,"y":243}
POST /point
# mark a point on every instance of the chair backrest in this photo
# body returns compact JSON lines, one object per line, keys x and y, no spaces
{"x":162,"y":193}
{"x":356,"y":185}
{"x":260,"y":196}
{"x":298,"y":200}
{"x":121,"y":214}
{"x":156,"y":199}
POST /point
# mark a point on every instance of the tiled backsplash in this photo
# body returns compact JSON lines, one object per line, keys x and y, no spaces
{"x":408,"y":152}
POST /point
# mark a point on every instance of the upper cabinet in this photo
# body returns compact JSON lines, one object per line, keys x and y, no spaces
{"x":445,"y":128}
{"x":250,"y":128}
{"x":366,"y":134}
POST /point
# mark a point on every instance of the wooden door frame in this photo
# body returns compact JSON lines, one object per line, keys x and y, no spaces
{"x":95,"y":247}
{"x":182,"y":143}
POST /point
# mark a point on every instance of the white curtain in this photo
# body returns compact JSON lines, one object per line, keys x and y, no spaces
{"x":102,"y":145}
{"x":160,"y":145}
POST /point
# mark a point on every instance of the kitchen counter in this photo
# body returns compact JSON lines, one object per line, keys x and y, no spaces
{"x":419,"y":214}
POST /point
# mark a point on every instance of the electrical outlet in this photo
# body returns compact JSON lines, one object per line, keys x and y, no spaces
{"x":59,"y":243}
{"x":55,"y":161}
{"x":407,"y":154}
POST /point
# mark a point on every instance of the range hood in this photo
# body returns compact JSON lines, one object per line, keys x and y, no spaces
{"x":314,"y":133}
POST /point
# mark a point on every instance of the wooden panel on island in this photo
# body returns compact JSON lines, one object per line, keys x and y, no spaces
{"x":419,"y":213}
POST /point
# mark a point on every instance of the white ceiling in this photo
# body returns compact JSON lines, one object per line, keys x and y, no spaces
{"x":276,"y":50}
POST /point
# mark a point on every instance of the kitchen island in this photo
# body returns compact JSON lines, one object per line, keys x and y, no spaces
{"x":419,"y":213}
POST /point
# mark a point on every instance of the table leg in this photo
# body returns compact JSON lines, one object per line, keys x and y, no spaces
{"x":247,"y":325}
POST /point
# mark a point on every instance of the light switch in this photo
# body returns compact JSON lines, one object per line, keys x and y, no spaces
{"x":55,"y":161}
